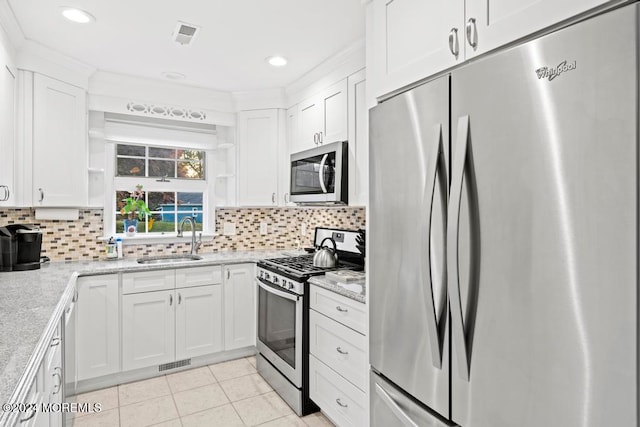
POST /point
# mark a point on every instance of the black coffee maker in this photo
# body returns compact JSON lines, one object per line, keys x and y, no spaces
{"x":20,"y":247}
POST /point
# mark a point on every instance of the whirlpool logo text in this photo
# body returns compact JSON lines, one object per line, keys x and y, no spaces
{"x":551,"y":73}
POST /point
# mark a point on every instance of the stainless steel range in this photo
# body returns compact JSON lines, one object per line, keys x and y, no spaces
{"x":283,"y":317}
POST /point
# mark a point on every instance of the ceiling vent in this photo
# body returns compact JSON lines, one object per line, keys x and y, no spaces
{"x":185,"y":33}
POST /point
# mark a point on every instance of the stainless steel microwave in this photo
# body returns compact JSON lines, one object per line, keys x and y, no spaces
{"x":320,"y":175}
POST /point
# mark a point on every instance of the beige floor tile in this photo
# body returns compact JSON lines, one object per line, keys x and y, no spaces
{"x":317,"y":419}
{"x":222,"y":416}
{"x":171,"y":423}
{"x":245,"y":387}
{"x":193,"y":378}
{"x":143,"y":390}
{"x":107,"y":398}
{"x":251,"y":360}
{"x":148,"y":412}
{"x":232,"y":369}
{"x":199,"y":399}
{"x":290,"y":421}
{"x":110,"y":418}
{"x":261,"y":409}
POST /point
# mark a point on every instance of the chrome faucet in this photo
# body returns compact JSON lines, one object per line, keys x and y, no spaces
{"x":194,"y":245}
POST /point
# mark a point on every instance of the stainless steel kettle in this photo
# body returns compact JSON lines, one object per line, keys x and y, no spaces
{"x":326,"y":257}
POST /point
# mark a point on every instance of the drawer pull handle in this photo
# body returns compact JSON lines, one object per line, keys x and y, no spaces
{"x":58,"y":386}
{"x":55,"y":341}
{"x":341,"y":351}
{"x":31,"y":414}
{"x":339,"y":402}
{"x":341,"y":310}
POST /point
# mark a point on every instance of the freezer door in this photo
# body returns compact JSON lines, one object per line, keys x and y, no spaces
{"x":390,"y":407}
{"x":409,"y":140}
{"x":542,"y":231}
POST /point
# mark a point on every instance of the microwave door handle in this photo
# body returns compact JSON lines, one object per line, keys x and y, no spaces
{"x":321,"y":172}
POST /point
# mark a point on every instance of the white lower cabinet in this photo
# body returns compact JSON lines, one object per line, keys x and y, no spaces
{"x":96,"y":324}
{"x":338,"y":359}
{"x":148,"y":332}
{"x":182,"y":321}
{"x":240,"y":306}
{"x":198,"y":321}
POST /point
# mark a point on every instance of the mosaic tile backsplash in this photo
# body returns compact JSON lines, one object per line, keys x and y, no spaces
{"x":80,"y":239}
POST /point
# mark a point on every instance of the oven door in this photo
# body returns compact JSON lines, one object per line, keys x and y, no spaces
{"x":280,"y":330}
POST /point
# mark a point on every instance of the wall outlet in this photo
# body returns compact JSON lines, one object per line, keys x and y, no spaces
{"x":303,"y":229}
{"x":229,"y":229}
{"x":263,"y":228}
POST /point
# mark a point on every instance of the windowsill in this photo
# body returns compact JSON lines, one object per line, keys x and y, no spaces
{"x":143,"y":239}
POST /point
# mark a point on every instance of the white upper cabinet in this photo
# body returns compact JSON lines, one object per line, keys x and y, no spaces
{"x":59,"y":143}
{"x":410,"y":40}
{"x":322,"y":118}
{"x":493,"y":23}
{"x":258,"y":145}
{"x":414,"y":39}
{"x":7,"y":130}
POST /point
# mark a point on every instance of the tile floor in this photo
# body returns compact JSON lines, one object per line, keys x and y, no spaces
{"x":225,"y":394}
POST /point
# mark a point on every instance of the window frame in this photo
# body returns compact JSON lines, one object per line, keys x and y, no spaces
{"x":114,"y":183}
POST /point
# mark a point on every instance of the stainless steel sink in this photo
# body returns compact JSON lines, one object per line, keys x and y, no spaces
{"x":167,"y":259}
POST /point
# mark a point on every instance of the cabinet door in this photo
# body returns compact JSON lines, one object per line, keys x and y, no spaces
{"x":198,"y":321}
{"x":499,"y":22}
{"x":258,"y":157}
{"x":310,"y":123}
{"x":410,"y":41}
{"x":334,"y":113}
{"x":148,"y":329}
{"x":59,"y":143}
{"x":97,"y":331}
{"x":358,"y":120}
{"x":292,"y":144}
{"x":240,"y":306}
{"x":7,"y":133}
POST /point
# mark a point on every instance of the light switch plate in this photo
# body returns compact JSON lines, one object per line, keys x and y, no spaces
{"x":263,"y":228}
{"x":229,"y":229}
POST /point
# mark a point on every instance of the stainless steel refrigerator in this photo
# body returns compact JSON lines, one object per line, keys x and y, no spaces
{"x":504,"y":237}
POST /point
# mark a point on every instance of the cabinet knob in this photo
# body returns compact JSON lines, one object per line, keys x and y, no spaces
{"x":315,"y":138}
{"x":320,"y":139}
{"x":179,"y":298}
{"x":273,"y":198}
{"x":286,"y":197}
{"x":454,"y":47}
{"x":170,"y":299}
{"x":472,"y":33}
{"x":341,"y":310}
{"x":341,"y":351}
{"x":41,"y":195}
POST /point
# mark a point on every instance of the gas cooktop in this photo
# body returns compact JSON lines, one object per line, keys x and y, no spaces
{"x":301,"y":266}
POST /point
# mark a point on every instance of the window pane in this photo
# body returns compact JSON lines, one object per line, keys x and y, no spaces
{"x":162,"y":168}
{"x":163,"y":153}
{"x":131,"y":150}
{"x":190,"y":204}
{"x":162,"y":207}
{"x":190,"y":170}
{"x":130,"y":167}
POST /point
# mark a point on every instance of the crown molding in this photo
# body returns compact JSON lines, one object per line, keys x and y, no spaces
{"x":328,"y":72}
{"x":260,"y":99}
{"x":14,"y":34}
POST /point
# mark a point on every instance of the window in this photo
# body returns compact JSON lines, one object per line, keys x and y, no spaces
{"x":174,"y":186}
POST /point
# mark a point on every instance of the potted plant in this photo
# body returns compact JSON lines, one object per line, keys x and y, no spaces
{"x":135,"y":209}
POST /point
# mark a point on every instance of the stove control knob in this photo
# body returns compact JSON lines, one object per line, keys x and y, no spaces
{"x":266,"y":276}
{"x":290,"y":286}
{"x":275,"y":280}
{"x":262,"y":274}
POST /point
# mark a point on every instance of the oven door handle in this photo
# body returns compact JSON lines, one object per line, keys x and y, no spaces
{"x":274,"y":291}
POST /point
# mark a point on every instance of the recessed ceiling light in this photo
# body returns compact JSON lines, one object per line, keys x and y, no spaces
{"x":277,"y":61}
{"x":77,"y":15}
{"x":172,"y":75}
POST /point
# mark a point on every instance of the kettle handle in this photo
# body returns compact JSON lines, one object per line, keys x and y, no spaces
{"x":335,"y":248}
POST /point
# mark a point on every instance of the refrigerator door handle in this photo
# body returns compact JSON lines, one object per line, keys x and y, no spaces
{"x":453,"y":229}
{"x":397,"y":411}
{"x":432,"y":168}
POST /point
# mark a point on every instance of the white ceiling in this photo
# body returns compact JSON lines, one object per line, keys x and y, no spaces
{"x":134,"y":37}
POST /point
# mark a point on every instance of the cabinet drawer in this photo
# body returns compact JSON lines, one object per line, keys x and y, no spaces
{"x":146,"y":281}
{"x":198,"y":276}
{"x":339,"y":399}
{"x":342,"y":309}
{"x":340,"y":348}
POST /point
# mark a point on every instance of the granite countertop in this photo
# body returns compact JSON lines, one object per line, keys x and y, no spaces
{"x":331,"y":285}
{"x":30,"y":299}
